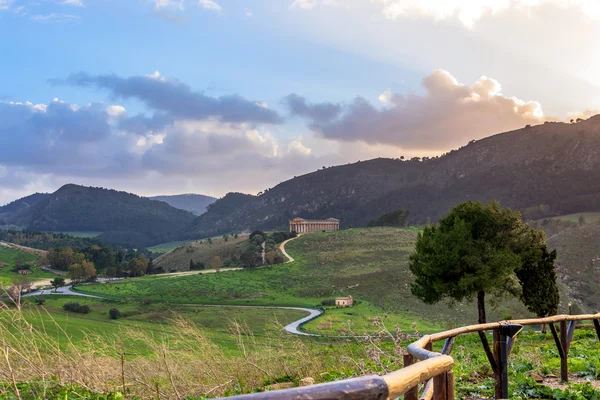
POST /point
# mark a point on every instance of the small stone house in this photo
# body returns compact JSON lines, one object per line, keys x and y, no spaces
{"x":24,"y":271}
{"x":344,"y":301}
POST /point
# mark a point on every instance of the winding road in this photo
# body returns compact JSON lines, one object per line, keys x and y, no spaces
{"x":291,"y":328}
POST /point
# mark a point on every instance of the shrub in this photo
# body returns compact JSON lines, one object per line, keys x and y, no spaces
{"x":40,"y":300}
{"x":77,"y":308}
{"x":328,"y":302}
{"x":114,"y":313}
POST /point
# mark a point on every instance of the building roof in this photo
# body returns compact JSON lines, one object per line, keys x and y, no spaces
{"x":298,"y":219}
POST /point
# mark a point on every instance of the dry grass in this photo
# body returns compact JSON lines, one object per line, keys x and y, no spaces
{"x":183,"y":363}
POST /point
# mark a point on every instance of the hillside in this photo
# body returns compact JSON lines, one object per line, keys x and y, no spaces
{"x":11,"y":254}
{"x":578,"y":263}
{"x":20,"y":205}
{"x":124,"y":218}
{"x":370,"y":264}
{"x":201,"y":251}
{"x":545,"y":170}
{"x":194,"y":203}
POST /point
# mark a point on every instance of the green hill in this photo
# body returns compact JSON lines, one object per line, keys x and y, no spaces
{"x":123,"y":218}
{"x":202,"y":251}
{"x":370,"y":264}
{"x":11,"y":254}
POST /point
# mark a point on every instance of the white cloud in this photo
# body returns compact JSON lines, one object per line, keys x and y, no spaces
{"x":210,"y":5}
{"x":447,"y":116}
{"x":304,"y":4}
{"x":56,"y":17}
{"x":181,"y":4}
{"x":5,"y":4}
{"x":468,"y":12}
{"x":73,"y":3}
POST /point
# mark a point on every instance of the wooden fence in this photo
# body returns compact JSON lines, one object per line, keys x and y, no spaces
{"x":434,"y":370}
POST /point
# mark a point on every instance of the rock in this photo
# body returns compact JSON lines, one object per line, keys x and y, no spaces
{"x":307,"y":381}
{"x":279,"y":386}
{"x":536,"y":377}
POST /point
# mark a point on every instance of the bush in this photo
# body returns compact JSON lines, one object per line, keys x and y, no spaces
{"x":77,"y":308}
{"x":114,"y":313}
{"x":40,"y":300}
{"x":328,"y":302}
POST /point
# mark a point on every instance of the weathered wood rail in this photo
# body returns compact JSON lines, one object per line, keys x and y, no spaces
{"x":434,"y":369}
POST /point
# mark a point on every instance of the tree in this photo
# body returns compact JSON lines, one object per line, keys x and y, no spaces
{"x":225,"y":237}
{"x":216,"y":263}
{"x":581,"y":220}
{"x":537,"y":276}
{"x":57,"y":282}
{"x":209,"y":240}
{"x":138,"y":266}
{"x":478,"y":250}
{"x":192,"y":266}
{"x":76,"y":272}
{"x":88,"y":270}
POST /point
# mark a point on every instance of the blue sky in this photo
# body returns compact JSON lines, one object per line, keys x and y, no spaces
{"x":211,"y":96}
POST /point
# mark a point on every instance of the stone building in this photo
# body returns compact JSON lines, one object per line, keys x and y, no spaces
{"x":344,"y":301}
{"x":300,"y":225}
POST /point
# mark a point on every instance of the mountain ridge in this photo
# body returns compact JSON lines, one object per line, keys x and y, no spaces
{"x":542,"y":170}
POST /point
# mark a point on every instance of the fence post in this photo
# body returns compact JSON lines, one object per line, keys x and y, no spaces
{"x":440,"y":387}
{"x":412,"y":394}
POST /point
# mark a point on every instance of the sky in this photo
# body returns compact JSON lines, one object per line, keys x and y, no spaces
{"x":212,"y":96}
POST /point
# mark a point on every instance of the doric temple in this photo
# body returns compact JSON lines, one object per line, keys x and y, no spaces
{"x":300,"y":225}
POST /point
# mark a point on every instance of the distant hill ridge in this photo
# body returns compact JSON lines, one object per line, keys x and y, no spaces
{"x":195,"y":203}
{"x":553,"y":165}
{"x":124,"y":218}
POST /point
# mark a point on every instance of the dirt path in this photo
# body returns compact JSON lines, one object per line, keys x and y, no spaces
{"x":282,"y":248}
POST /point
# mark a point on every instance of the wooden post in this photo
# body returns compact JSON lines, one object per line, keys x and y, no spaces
{"x":440,"y":387}
{"x":597,"y":327}
{"x":564,"y":367}
{"x":412,"y":394}
{"x":498,"y":381}
{"x":450,"y":385}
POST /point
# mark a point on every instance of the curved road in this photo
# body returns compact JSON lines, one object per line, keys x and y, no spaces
{"x":282,"y":248}
{"x":291,"y":328}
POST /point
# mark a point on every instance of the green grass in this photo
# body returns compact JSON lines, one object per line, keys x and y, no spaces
{"x":366,"y":319}
{"x":165,"y":247}
{"x":8,"y":257}
{"x":370,"y":264}
{"x":80,"y":234}
{"x":215,"y":322}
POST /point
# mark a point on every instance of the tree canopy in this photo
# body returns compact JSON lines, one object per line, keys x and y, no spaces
{"x":484,"y":249}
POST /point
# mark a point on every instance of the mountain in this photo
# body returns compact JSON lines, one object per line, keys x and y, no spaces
{"x":124,"y":218}
{"x":194,"y":203}
{"x":22,"y":204}
{"x":543,"y":170}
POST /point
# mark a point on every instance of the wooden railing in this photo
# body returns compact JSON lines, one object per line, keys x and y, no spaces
{"x":434,"y":369}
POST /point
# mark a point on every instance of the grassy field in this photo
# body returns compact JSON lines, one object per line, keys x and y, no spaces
{"x":370,"y":264}
{"x":8,"y":257}
{"x":200,"y":251}
{"x":83,"y":356}
{"x":215,"y":322}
